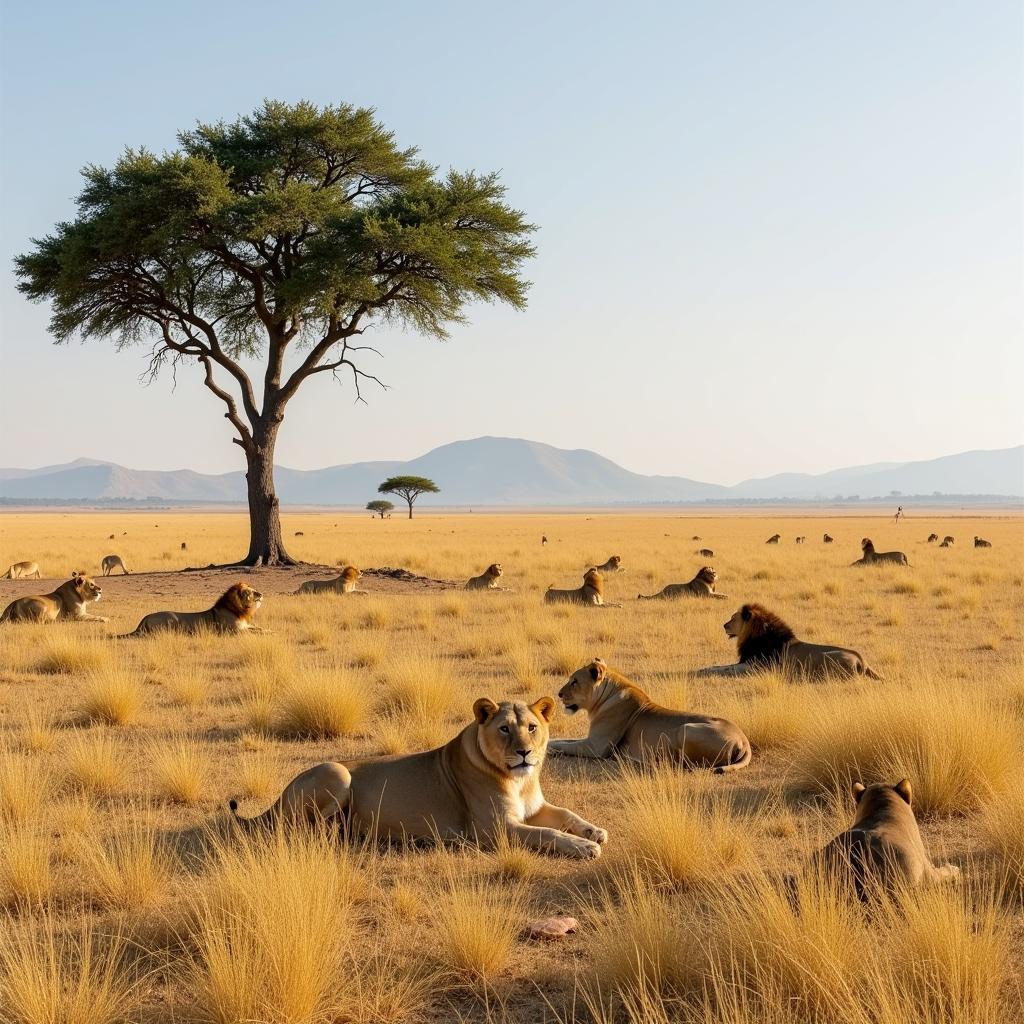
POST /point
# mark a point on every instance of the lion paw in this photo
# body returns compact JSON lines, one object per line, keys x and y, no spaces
{"x":583,"y":849}
{"x":598,"y":835}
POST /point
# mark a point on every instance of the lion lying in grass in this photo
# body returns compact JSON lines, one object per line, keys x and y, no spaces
{"x":488,"y":579}
{"x":883,"y":847}
{"x":592,"y":591}
{"x":702,"y":585}
{"x":67,"y":602}
{"x":232,"y":613}
{"x":873,"y":557}
{"x":764,"y":641}
{"x":625,"y":721}
{"x":614,"y":564}
{"x":482,"y":783}
{"x":343,"y":584}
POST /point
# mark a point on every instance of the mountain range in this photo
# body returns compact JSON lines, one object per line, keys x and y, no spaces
{"x":510,"y":471}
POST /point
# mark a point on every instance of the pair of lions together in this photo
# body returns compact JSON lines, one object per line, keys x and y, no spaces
{"x":486,"y":781}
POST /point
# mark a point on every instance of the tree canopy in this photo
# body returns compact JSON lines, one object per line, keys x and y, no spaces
{"x":409,"y":488}
{"x":280,"y":237}
{"x":380,"y":506}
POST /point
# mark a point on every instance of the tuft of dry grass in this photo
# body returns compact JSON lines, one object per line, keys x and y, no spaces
{"x":37,"y":734}
{"x":111,"y":696}
{"x":72,"y":654}
{"x":94,"y":764}
{"x":323,"y":705}
{"x":1002,"y":822}
{"x":187,"y":686}
{"x":26,"y":871}
{"x":179,"y":768}
{"x":25,"y":785}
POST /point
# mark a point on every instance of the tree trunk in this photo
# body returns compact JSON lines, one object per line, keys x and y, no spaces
{"x":410,"y":506}
{"x":266,"y":544}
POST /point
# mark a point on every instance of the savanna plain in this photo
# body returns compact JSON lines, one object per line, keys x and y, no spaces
{"x":129,"y":896}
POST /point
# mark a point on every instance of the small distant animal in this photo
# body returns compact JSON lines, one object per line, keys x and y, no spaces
{"x":764,"y":641}
{"x":111,"y":537}
{"x":624,"y":721}
{"x":299,"y":533}
{"x":695,"y":537}
{"x":184,"y":546}
{"x":828,"y":539}
{"x":68,"y":601}
{"x":488,"y":579}
{"x":947,"y":542}
{"x":774,"y":538}
{"x":800,"y":540}
{"x":614,"y":564}
{"x":702,"y":585}
{"x":591,"y":593}
{"x":873,"y":557}
{"x":112,"y":562}
{"x":932,"y":538}
{"x":706,"y":553}
{"x":343,"y":584}
{"x":21,"y":571}
{"x":543,"y":540}
{"x":882,"y":851}
{"x":232,"y":613}
{"x":981,"y":543}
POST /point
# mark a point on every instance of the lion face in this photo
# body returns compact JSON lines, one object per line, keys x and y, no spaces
{"x":241,"y":600}
{"x":739,"y":623}
{"x":350,"y":572}
{"x":495,"y":570}
{"x":579,"y":691}
{"x":615,"y":563}
{"x":866,"y":543}
{"x":708,"y":575}
{"x":513,"y":736}
{"x":86,"y":588}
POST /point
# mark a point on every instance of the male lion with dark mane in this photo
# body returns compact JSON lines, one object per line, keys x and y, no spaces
{"x":764,"y":641}
{"x":343,"y":584}
{"x":483,"y":783}
{"x":67,"y":602}
{"x":232,"y":613}
{"x":591,"y":593}
{"x":882,"y":850}
{"x":625,"y":721}
{"x":702,"y":585}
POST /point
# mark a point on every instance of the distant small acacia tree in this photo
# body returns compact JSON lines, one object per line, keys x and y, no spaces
{"x":409,"y":488}
{"x":380,"y":506}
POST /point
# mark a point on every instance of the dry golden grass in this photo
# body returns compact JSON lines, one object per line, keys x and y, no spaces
{"x":685,"y":919}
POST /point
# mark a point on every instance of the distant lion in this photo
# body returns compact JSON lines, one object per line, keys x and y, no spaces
{"x":488,"y":579}
{"x":800,"y":540}
{"x":184,"y":546}
{"x":21,"y":571}
{"x":702,"y":585}
{"x":932,"y":538}
{"x":695,"y":537}
{"x":706,"y":553}
{"x":625,"y":721}
{"x":947,"y":542}
{"x":873,"y":557}
{"x":882,"y":850}
{"x":591,"y":593}
{"x":764,"y":641}
{"x":232,"y":613}
{"x":112,"y":562}
{"x":774,"y":538}
{"x":483,"y":783}
{"x":981,"y":543}
{"x":614,"y":564}
{"x":343,"y":584}
{"x":828,"y":539}
{"x":67,"y":602}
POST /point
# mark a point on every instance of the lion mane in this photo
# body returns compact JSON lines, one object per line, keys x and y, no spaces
{"x":764,"y":636}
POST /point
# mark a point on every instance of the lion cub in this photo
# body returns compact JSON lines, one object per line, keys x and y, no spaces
{"x":624,"y":720}
{"x":883,"y":847}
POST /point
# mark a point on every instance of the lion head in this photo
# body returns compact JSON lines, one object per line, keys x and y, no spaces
{"x":592,"y":578}
{"x":494,"y":570}
{"x":879,"y":797}
{"x":867,"y":545}
{"x":582,"y":686}
{"x":614,"y":564}
{"x":85,"y":587}
{"x":241,"y":600}
{"x":513,"y":736}
{"x":759,"y":633}
{"x":708,"y":575}
{"x":350,"y":574}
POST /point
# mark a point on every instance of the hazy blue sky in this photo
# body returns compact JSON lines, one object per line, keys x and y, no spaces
{"x":773,"y":236}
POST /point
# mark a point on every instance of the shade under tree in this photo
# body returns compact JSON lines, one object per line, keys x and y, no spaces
{"x":272,"y":243}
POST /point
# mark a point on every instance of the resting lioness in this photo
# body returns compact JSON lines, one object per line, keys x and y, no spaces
{"x":947,"y":542}
{"x":68,"y":601}
{"x":980,"y":542}
{"x":614,"y":564}
{"x":232,"y":613}
{"x":488,"y":579}
{"x":932,"y":538}
{"x":764,"y":641}
{"x":883,"y":846}
{"x":343,"y":584}
{"x":774,"y":538}
{"x":482,"y":783}
{"x":591,"y":593}
{"x":702,"y":585}
{"x":873,"y":557}
{"x":21,"y":571}
{"x":625,"y":721}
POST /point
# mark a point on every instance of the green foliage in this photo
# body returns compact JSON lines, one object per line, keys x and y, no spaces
{"x":380,"y":506}
{"x":409,"y":487}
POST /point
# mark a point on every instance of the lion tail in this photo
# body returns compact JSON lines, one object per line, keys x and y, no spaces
{"x":871,"y":673}
{"x":741,"y":762}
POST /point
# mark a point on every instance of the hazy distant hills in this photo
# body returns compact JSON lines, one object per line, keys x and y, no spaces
{"x":509,"y":471}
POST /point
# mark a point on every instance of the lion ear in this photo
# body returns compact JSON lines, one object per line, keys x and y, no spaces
{"x":903,"y":788}
{"x":544,"y":708}
{"x":745,"y":613}
{"x":858,"y":791}
{"x":597,"y":669}
{"x":483,"y":709}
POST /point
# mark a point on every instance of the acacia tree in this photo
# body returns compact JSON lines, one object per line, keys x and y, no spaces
{"x":408,"y":487}
{"x":274,"y":241}
{"x":380,"y":506}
